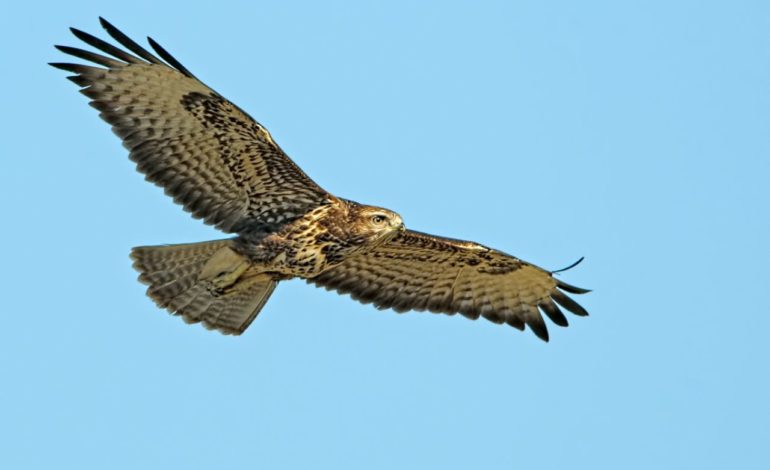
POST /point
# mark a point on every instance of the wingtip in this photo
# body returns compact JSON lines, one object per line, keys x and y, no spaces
{"x":570,"y":288}
{"x":565,"y":301}
{"x":80,"y":34}
{"x":165,"y":55}
{"x":109,"y":27}
{"x":553,"y":312}
{"x":154,"y":44}
{"x":537,"y":325}
{"x":63,"y":66}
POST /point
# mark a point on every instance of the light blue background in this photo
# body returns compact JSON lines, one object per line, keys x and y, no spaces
{"x":634,"y":133}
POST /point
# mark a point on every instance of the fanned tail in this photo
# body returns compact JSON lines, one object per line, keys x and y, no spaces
{"x":204,"y":282}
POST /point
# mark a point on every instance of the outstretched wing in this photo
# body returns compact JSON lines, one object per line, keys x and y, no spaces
{"x":417,"y":271}
{"x":208,"y":154}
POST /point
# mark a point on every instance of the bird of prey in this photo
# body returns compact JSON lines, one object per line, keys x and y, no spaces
{"x":225,"y":168}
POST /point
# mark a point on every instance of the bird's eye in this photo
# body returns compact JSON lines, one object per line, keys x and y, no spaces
{"x":378,"y":219}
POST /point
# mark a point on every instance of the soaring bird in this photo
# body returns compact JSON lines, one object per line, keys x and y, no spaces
{"x":225,"y":168}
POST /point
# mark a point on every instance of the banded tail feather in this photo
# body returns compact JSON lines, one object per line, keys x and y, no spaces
{"x":205,"y":282}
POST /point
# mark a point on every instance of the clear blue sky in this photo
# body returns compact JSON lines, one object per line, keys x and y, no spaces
{"x":632,"y":133}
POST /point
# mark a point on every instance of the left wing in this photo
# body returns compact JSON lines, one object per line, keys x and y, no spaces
{"x":417,"y":271}
{"x":203,"y":150}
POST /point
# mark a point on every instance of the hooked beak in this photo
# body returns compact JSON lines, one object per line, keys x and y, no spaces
{"x":398,"y":225}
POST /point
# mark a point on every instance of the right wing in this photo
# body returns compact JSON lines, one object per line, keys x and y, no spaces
{"x":418,"y":271}
{"x":209,"y":155}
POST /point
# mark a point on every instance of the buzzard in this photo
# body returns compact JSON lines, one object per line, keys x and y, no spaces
{"x":225,"y":168}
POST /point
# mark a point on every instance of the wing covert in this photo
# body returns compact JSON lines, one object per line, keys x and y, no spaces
{"x":209,"y":155}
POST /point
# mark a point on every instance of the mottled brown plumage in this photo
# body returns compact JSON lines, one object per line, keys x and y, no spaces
{"x":224,"y":167}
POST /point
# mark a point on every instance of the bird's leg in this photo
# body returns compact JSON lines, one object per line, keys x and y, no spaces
{"x":224,"y":269}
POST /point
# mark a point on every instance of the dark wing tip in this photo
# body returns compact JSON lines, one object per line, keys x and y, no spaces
{"x":539,"y":329}
{"x":165,"y":55}
{"x":562,"y":299}
{"x":89,"y":56}
{"x":74,"y":68}
{"x":84,"y":36}
{"x":128,"y":43}
{"x":570,"y":288}
{"x":553,"y":312}
{"x":106,"y":24}
{"x":78,"y":33}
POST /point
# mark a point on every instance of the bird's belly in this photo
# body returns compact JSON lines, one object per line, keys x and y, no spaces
{"x":303,"y":262}
{"x":303,"y":257}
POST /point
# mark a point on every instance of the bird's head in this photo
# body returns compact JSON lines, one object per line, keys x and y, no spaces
{"x":375,"y":224}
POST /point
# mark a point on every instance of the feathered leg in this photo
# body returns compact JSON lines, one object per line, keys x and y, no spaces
{"x":205,"y":282}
